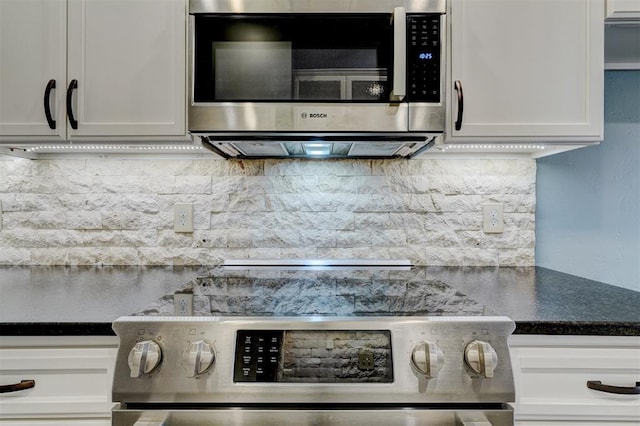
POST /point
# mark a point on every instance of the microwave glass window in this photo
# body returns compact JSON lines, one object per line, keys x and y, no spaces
{"x":368,"y":90}
{"x":329,"y":89}
{"x":258,"y":70}
{"x":293,"y":57}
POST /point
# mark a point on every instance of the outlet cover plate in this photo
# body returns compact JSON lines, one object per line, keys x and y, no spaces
{"x":493,"y":218}
{"x":183,"y":304}
{"x":183,"y":217}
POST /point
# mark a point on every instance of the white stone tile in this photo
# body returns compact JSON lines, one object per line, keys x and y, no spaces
{"x":317,"y":168}
{"x":102,"y":256}
{"x":49,"y":256}
{"x":15,"y":256}
{"x":13,"y":166}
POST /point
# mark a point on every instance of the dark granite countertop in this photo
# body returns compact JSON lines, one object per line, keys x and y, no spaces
{"x":42,"y":300}
{"x":544,"y":301}
{"x":80,"y":300}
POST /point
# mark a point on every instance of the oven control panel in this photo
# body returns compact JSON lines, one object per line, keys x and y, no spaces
{"x":299,"y":359}
{"x":257,"y":355}
{"x":313,"y":356}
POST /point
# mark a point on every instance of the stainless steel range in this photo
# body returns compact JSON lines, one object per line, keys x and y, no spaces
{"x":313,"y":370}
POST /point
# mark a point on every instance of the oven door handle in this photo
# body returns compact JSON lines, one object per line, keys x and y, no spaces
{"x":16,"y":387}
{"x":399,"y":22}
{"x":621,"y":390}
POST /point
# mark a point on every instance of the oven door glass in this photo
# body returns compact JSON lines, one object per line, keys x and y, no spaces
{"x":296,"y":57}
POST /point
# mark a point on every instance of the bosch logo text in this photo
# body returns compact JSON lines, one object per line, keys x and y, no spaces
{"x":314,"y":115}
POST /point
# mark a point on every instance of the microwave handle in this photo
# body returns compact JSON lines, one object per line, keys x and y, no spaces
{"x":399,"y":89}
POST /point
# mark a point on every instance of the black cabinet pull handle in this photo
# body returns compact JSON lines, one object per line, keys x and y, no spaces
{"x":24,"y":384}
{"x":73,"y":85}
{"x":47,"y":103}
{"x":622,"y":390}
{"x":458,"y":86}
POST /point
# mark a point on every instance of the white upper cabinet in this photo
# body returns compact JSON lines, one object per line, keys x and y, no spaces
{"x":526,"y":71}
{"x":33,"y":46}
{"x":623,"y":10}
{"x":119,"y":67}
{"x":129,"y":58}
{"x":622,"y":35}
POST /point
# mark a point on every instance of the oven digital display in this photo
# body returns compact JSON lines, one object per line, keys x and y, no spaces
{"x":313,"y":356}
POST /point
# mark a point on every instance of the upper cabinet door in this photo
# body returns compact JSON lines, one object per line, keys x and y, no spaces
{"x":623,"y":10}
{"x":127,"y":65}
{"x":526,"y":70}
{"x":33,"y":41}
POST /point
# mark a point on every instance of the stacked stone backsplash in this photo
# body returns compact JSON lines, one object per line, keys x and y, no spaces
{"x":113,"y":211}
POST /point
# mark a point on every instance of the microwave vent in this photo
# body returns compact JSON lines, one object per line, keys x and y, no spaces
{"x":314,"y":146}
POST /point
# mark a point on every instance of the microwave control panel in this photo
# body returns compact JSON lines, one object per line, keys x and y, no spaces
{"x":424,"y":54}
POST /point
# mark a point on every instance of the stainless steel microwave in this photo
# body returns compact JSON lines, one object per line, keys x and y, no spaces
{"x":336,"y":78}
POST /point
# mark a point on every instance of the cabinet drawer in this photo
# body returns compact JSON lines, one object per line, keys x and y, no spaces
{"x":69,"y":382}
{"x":551,"y":374}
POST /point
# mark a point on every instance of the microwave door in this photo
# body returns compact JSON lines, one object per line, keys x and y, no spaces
{"x":352,"y":78}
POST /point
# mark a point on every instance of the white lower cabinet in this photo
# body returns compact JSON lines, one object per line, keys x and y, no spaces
{"x":73,"y":377}
{"x":551,"y":374}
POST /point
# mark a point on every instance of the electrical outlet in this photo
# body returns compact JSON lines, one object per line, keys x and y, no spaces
{"x":365,"y":360}
{"x":183,"y":304}
{"x":183,"y":217}
{"x":493,"y":218}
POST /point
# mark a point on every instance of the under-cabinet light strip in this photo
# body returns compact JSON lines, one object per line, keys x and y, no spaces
{"x":114,"y":147}
{"x":492,"y":146}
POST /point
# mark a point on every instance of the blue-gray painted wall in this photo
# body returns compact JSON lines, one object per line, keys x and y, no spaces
{"x":588,"y":200}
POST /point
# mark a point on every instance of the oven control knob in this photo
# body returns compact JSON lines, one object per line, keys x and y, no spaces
{"x":481,"y":358}
{"x":198,"y":358}
{"x":427,"y":358}
{"x":144,"y":358}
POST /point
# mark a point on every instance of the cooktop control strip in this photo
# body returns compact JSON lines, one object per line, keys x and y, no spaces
{"x":343,"y":360}
{"x":257,"y":355}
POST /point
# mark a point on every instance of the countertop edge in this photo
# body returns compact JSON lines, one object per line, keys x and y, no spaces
{"x":580,"y":328}
{"x":56,"y":329}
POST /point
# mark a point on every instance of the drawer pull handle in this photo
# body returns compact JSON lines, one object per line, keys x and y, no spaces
{"x":623,"y":390}
{"x":24,"y":384}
